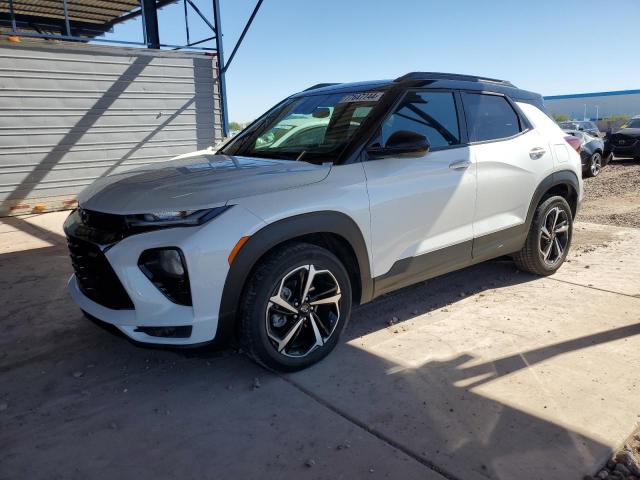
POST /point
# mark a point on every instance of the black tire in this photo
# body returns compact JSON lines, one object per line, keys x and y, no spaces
{"x":532,"y":257}
{"x":594,"y":165}
{"x":281,"y":273}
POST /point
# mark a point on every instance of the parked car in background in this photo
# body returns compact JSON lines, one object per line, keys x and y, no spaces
{"x":592,"y":153}
{"x":626,"y":141}
{"x":582,"y":126}
{"x":624,"y":125}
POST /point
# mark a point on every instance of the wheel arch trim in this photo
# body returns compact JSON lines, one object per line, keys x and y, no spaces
{"x":561,"y":177}
{"x":276,"y":233}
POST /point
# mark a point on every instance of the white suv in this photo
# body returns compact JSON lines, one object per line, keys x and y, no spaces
{"x":337,"y":195}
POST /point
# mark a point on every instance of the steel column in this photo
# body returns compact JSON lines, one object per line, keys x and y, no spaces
{"x":221,"y":66}
{"x":12,"y":14}
{"x":67,"y":25}
{"x":150,"y":18}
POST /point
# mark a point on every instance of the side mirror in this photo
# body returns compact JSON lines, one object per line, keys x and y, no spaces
{"x":401,"y":144}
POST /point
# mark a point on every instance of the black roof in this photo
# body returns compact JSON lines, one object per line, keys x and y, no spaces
{"x":433,"y":80}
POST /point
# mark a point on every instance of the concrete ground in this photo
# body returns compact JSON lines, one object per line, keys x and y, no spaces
{"x":488,"y":373}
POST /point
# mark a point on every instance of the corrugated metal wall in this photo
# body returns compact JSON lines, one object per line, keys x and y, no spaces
{"x":70,"y":113}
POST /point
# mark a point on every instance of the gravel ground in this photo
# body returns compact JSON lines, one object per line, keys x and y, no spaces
{"x":624,"y":464}
{"x":613,"y":198}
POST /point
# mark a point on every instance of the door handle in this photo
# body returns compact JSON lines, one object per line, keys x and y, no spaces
{"x":460,"y":165}
{"x":536,"y":153}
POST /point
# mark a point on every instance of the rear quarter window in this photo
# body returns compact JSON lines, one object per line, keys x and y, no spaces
{"x":490,"y":117}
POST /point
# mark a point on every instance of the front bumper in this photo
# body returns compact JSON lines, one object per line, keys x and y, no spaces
{"x":127,"y":321}
{"x":205,"y":248}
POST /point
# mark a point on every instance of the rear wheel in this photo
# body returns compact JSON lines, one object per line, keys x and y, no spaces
{"x":594,"y":166}
{"x":549,"y":238}
{"x":295,"y":306}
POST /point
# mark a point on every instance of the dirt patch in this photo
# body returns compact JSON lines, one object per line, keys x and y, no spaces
{"x":613,"y":198}
{"x":587,"y":237}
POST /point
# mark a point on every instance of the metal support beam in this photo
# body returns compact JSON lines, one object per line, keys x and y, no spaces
{"x":244,"y":32}
{"x":150,"y":19}
{"x":195,"y":43}
{"x":221,"y":66}
{"x":204,"y":19}
{"x":67,"y":25}
{"x":186,"y":21}
{"x":14,"y":28}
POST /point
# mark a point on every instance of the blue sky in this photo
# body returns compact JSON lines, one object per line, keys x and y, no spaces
{"x":551,"y":47}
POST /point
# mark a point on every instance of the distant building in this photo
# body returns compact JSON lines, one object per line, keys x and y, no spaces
{"x":596,"y":105}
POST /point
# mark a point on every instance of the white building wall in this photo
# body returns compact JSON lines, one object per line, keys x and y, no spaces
{"x":603,"y":105}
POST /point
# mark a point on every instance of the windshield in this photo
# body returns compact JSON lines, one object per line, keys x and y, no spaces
{"x":634,"y":123}
{"x":569,"y":125}
{"x":315,"y":128}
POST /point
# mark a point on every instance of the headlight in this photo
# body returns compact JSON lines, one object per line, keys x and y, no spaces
{"x":171,"y":218}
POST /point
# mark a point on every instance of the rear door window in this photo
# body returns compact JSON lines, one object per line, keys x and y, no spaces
{"x":490,"y":117}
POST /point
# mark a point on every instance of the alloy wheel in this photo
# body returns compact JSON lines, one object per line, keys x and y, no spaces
{"x":554,"y":236}
{"x":303,"y":311}
{"x":596,"y":164}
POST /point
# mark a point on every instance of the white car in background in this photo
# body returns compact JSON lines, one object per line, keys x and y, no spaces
{"x":337,"y":195}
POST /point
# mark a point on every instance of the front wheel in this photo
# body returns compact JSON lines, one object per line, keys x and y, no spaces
{"x":295,"y":305}
{"x":549,"y":238}
{"x":594,"y":167}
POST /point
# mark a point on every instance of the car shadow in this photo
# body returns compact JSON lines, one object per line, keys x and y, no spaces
{"x":83,"y":399}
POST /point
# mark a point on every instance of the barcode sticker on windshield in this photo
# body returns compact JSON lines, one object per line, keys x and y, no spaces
{"x":362,"y":97}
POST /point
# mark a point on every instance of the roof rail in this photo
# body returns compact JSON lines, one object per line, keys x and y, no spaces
{"x":319,"y":85}
{"x":450,"y":76}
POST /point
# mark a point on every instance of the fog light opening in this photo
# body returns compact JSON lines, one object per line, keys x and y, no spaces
{"x":167,"y":270}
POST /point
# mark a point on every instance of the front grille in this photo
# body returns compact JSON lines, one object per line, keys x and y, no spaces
{"x":107,"y":222}
{"x":96,"y":278}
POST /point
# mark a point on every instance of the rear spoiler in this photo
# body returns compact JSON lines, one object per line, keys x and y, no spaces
{"x":320,"y":85}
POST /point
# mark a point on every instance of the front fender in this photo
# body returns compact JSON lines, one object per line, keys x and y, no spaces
{"x":277,"y":233}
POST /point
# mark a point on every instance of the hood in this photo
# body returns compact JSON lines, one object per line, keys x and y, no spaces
{"x":194,"y":183}
{"x":628,"y":132}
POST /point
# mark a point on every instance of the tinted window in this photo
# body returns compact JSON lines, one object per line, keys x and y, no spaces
{"x":489,"y":117}
{"x":432,"y":114}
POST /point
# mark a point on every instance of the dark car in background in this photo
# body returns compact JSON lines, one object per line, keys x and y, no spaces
{"x":592,"y":153}
{"x":582,"y":126}
{"x":626,"y":141}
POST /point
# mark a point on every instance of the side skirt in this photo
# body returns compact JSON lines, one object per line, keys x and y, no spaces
{"x":409,"y":271}
{"x":502,"y":242}
{"x":428,"y":265}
